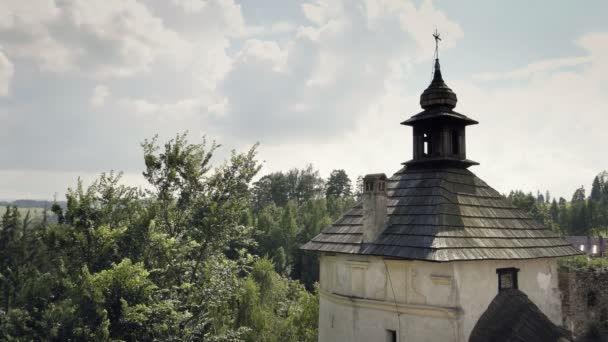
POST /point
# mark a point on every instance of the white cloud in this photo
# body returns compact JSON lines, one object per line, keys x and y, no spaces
{"x":100,"y":95}
{"x":533,"y":69}
{"x":177,"y":110}
{"x":7,"y":71}
{"x":551,"y":125}
{"x":333,"y":69}
{"x":263,"y":51}
{"x":103,"y":38}
{"x":418,"y":22}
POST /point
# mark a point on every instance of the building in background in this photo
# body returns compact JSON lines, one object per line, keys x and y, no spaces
{"x":590,"y":245}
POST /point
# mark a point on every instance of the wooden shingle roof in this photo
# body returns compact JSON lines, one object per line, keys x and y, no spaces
{"x":444,"y":214}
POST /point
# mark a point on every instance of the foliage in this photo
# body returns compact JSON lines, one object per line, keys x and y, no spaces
{"x":581,"y":216}
{"x":338,"y":184}
{"x":584,"y":262}
{"x":171,"y":263}
{"x":285,"y":221}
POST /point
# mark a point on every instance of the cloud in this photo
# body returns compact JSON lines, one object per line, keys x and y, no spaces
{"x":180,"y":109}
{"x":100,"y":95}
{"x":7,"y":71}
{"x":331,"y":71}
{"x":101,"y":38}
{"x":551,"y":125}
{"x":322,"y":81}
{"x":533,"y":69}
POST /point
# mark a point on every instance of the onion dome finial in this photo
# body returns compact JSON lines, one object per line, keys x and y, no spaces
{"x":438,"y":93}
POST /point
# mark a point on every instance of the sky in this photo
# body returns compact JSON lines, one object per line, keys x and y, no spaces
{"x":327,"y":82}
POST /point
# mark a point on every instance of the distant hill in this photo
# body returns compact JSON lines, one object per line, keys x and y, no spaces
{"x":32,"y":204}
{"x":34,"y":207}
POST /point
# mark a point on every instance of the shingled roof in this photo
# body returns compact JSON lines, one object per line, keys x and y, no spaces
{"x":437,"y":209}
{"x":513,"y":317}
{"x":444,"y":215}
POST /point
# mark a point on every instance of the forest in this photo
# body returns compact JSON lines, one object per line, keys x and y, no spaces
{"x":581,"y":215}
{"x":205,"y":252}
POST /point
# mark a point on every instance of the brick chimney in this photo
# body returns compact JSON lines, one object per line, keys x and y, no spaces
{"x":374,"y":206}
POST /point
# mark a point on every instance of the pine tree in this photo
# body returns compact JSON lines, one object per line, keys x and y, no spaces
{"x":579,"y":195}
{"x":554,"y":211}
{"x":540,"y":199}
{"x":596,"y":189}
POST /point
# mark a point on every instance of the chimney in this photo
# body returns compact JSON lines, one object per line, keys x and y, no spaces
{"x":374,"y":206}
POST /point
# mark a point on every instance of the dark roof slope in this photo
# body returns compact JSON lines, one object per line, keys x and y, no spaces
{"x":512,"y":317}
{"x":444,"y":215}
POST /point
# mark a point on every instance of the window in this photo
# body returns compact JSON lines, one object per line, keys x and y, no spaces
{"x":594,"y":249}
{"x":380,"y":186}
{"x":369,"y":186}
{"x":507,"y":278}
{"x":582,"y":248}
{"x":455,"y":142}
{"x":427,"y":144}
{"x":391,"y":336}
{"x":357,"y":281}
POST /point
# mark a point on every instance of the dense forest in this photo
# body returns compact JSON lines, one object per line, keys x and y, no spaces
{"x":582,"y":215}
{"x":203,"y":253}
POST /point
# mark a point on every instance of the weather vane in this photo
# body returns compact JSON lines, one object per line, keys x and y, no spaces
{"x":437,"y":39}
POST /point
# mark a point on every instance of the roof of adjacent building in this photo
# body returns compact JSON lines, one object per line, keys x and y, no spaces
{"x":513,"y":317}
{"x":444,"y":215}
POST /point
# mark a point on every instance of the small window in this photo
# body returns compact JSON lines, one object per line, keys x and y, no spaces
{"x":369,"y":186}
{"x":594,"y":249}
{"x":391,"y":336}
{"x":507,"y":278}
{"x":582,"y":248}
{"x":380,"y":186}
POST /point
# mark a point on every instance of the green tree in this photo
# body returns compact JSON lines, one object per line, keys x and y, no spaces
{"x":579,"y":195}
{"x":338,"y":184}
{"x":596,"y":189}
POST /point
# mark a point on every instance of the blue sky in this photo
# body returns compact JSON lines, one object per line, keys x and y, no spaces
{"x":83,"y":82}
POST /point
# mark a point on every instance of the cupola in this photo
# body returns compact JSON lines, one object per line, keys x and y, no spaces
{"x":438,"y":131}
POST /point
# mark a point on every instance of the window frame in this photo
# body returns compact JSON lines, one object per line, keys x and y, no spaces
{"x":508,"y":270}
{"x":391,"y":335}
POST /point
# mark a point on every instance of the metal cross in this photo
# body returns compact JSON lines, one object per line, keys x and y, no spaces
{"x":437,"y":39}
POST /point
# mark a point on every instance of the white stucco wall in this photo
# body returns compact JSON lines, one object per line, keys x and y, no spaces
{"x":477,"y":285}
{"x":423,"y":301}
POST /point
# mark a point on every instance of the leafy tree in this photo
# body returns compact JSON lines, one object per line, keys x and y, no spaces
{"x":172,"y":262}
{"x":338,"y":184}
